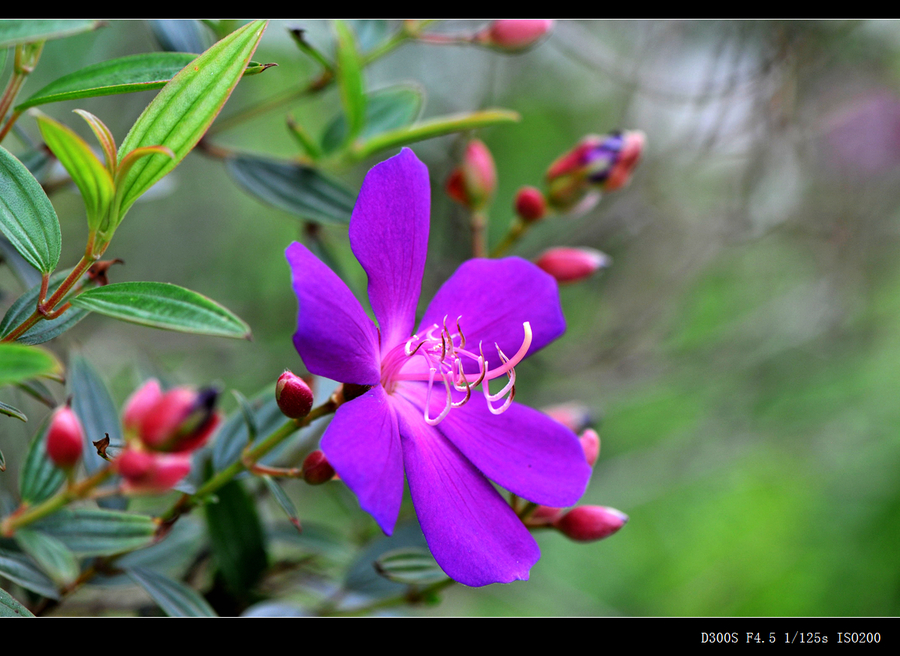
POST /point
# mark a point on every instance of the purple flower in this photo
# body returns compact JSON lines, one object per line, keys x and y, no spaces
{"x":423,"y":413}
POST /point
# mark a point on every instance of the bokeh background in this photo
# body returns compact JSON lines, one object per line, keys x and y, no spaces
{"x":740,"y":357}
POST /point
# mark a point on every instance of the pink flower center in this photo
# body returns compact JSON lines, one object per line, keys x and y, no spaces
{"x":439,"y":356}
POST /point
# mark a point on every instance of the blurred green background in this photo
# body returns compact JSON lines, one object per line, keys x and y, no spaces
{"x":740,"y":357}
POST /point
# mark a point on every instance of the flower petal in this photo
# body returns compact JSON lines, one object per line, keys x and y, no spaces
{"x":494,"y":298}
{"x":335,"y":337}
{"x":362,"y":443}
{"x":522,"y":450}
{"x":473,"y":534}
{"x":389,"y":236}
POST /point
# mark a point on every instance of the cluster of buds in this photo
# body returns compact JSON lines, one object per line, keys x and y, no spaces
{"x":513,"y":35}
{"x":162,"y":430}
{"x":472,"y":183}
{"x":599,"y":163}
{"x":582,"y":523}
{"x":568,"y":264}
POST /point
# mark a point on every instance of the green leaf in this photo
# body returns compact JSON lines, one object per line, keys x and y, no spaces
{"x":94,"y":532}
{"x":88,"y":173}
{"x":94,"y":406}
{"x":51,"y":554}
{"x":386,"y":109}
{"x":237,"y":538}
{"x":13,"y":32}
{"x":26,"y":216}
{"x":45,"y":330}
{"x":284,"y":501}
{"x":180,"y":35}
{"x":10,"y":411}
{"x":39,"y":478}
{"x":175,"y":598}
{"x":369,"y":32}
{"x":184,"y":109}
{"x":19,"y":568}
{"x":9,"y":607}
{"x":163,"y":305}
{"x":410,"y":566}
{"x":19,"y":362}
{"x":349,"y":79}
{"x":123,"y":75}
{"x":434,"y":127}
{"x":292,"y":187}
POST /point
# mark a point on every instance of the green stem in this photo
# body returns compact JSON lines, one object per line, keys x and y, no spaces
{"x":27,"y":56}
{"x":516,"y":230}
{"x":44,"y":309}
{"x":54,"y":503}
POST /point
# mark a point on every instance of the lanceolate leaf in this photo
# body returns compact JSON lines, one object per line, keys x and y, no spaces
{"x":90,"y":532}
{"x":9,"y":607}
{"x":13,"y":32}
{"x":175,"y":598}
{"x":185,"y":108}
{"x":89,"y":174}
{"x":19,"y":568}
{"x":295,"y":188}
{"x":20,"y":362}
{"x":349,"y":75}
{"x":10,"y":411}
{"x":51,"y":554}
{"x":411,"y":565}
{"x":39,"y":478}
{"x":26,"y":216}
{"x":23,"y":270}
{"x":124,"y":75}
{"x":163,"y":305}
{"x":94,"y":406}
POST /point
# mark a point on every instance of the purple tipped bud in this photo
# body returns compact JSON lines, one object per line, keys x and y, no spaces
{"x":590,"y":443}
{"x":572,"y":264}
{"x":530,"y":205}
{"x":473,"y":182}
{"x":602,"y":162}
{"x":65,"y":438}
{"x":316,"y":469}
{"x":294,"y":397}
{"x":181,"y":420}
{"x":590,"y":523}
{"x":513,"y":35}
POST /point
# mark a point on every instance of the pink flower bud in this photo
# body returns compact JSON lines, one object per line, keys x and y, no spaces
{"x":294,"y":397}
{"x":139,"y":403}
{"x":473,"y":182}
{"x":148,"y":472}
{"x":316,"y":468}
{"x":65,"y":438}
{"x":543,"y":515}
{"x":530,"y":205}
{"x":589,"y":523}
{"x":513,"y":35}
{"x":602,"y":162}
{"x":590,"y":443}
{"x":181,"y":420}
{"x":572,"y":264}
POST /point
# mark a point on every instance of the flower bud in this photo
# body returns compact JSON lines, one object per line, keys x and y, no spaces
{"x":139,"y":403}
{"x":605,"y":163}
{"x":589,"y":523}
{"x":65,"y":438}
{"x":473,"y":182}
{"x":294,"y":397}
{"x":316,"y":468}
{"x":143,"y":471}
{"x":572,"y":264}
{"x":543,"y":515}
{"x":181,"y":420}
{"x":513,"y":35}
{"x":590,"y":443}
{"x":530,"y":205}
{"x":573,"y":416}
